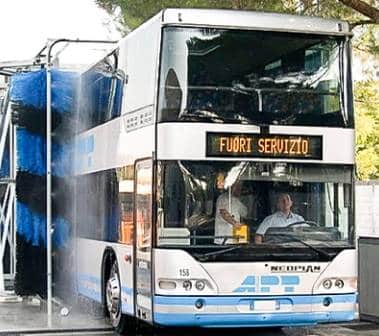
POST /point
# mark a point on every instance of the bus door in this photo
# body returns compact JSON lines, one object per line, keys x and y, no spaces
{"x":143,"y":220}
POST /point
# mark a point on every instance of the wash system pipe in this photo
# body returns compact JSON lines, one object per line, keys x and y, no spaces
{"x":48,"y":186}
{"x":50,"y":45}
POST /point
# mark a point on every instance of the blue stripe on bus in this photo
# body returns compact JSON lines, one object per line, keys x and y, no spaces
{"x":93,"y":293}
{"x":127,"y":308}
{"x":90,"y":293}
{"x":251,"y":320}
{"x":234,"y":300}
{"x":89,"y":278}
{"x":127,"y":290}
{"x":96,"y":280}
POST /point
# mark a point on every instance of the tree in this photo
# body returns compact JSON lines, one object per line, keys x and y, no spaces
{"x":134,"y":12}
{"x":363,"y":17}
{"x":364,"y":8}
{"x":367,"y":123}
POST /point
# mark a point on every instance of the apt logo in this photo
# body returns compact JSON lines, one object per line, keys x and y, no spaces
{"x":265,"y":283}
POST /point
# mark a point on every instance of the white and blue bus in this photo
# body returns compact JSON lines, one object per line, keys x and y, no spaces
{"x":215,"y":186}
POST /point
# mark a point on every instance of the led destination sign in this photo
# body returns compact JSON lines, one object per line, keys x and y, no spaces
{"x":307,"y":147}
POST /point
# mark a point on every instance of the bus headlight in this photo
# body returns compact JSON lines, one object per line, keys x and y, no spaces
{"x":339,"y":283}
{"x":352,"y":282}
{"x":167,"y":284}
{"x":327,"y":284}
{"x":187,"y":285}
{"x":199,"y":285}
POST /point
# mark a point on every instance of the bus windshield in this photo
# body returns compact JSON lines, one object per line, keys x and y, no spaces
{"x":251,"y":77}
{"x":292,"y":208}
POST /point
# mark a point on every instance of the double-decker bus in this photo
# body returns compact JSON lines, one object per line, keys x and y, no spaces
{"x":215,"y":186}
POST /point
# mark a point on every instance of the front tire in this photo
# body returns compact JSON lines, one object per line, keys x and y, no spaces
{"x":113,"y":300}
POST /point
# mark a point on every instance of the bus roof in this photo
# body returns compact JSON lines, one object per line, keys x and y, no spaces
{"x":253,"y":20}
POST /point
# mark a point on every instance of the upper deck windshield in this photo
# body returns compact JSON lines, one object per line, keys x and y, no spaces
{"x":255,"y":211}
{"x":251,"y":77}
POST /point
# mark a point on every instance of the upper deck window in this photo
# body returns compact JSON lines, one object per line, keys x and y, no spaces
{"x":101,"y":93}
{"x":251,"y":77}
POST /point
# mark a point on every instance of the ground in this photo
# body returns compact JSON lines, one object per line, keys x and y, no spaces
{"x":29,"y":318}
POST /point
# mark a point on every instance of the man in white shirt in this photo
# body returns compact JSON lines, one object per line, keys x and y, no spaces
{"x":279,"y":219}
{"x":229,"y":211}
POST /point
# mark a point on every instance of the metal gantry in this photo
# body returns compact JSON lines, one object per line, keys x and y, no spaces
{"x":7,"y":197}
{"x":44,"y":59}
{"x":8,"y":225}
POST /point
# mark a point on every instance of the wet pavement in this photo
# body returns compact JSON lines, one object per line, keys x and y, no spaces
{"x":28,"y":317}
{"x":355,"y":329}
{"x":350,"y":329}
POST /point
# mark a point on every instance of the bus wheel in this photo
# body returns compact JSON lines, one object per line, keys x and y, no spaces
{"x":113,"y":299}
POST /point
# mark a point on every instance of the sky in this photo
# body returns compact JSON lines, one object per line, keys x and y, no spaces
{"x":25,"y":25}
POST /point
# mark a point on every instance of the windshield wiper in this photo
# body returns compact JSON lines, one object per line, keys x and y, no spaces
{"x":319,"y":251}
{"x":246,"y":247}
{"x":224,"y":249}
{"x":211,"y":116}
{"x":192,"y":116}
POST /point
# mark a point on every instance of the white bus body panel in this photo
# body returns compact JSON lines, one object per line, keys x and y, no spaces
{"x":113,"y":146}
{"x":254,"y":20}
{"x":187,"y":141}
{"x":226,"y":278}
{"x":138,"y":59}
{"x":90,"y":256}
{"x":251,"y":292}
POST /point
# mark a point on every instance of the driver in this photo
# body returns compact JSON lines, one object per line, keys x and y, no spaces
{"x":282,"y":218}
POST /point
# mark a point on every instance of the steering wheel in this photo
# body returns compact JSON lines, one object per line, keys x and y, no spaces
{"x":310,"y":223}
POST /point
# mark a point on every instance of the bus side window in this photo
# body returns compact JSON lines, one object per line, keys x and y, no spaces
{"x":125,"y":177}
{"x":173,"y":95}
{"x":143,"y":203}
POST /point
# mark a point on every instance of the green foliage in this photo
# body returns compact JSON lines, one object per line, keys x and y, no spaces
{"x":134,"y":12}
{"x":367,"y":125}
{"x":137,"y":11}
{"x":367,"y":40}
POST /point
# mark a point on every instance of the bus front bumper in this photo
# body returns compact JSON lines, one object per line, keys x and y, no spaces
{"x":227,"y":311}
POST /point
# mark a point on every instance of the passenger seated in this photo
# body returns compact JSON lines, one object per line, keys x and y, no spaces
{"x":229,"y":212}
{"x":280,"y":219}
